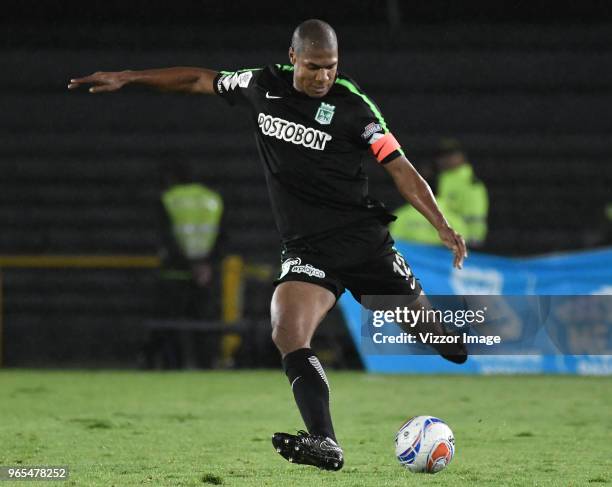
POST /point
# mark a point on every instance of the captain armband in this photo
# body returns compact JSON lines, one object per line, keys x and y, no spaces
{"x":385,"y":146}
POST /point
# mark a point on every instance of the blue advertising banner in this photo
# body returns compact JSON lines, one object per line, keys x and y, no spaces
{"x":571,"y":274}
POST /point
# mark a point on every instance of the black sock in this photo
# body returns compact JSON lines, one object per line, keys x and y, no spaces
{"x":311,"y":390}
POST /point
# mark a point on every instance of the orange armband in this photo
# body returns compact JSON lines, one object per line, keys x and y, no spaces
{"x":384,"y":146}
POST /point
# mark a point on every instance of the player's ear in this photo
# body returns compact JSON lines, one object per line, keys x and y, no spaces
{"x":291,"y":55}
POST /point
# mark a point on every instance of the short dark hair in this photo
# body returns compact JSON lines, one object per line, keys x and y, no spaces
{"x":173,"y":171}
{"x":448,"y":146}
{"x":314,"y":33}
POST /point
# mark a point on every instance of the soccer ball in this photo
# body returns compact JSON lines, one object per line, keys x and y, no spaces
{"x":424,"y":444}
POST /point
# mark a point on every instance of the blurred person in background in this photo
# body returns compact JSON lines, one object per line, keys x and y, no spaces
{"x":461,"y":196}
{"x":191,"y":250}
{"x":411,"y":226}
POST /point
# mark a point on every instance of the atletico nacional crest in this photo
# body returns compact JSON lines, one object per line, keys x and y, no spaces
{"x":325,"y":113}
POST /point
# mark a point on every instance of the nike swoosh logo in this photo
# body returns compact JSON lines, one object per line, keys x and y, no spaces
{"x":272,"y":97}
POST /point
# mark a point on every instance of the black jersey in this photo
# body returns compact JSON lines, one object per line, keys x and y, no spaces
{"x":312,"y":149}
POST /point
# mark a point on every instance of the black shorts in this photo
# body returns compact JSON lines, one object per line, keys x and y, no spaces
{"x":360,"y":258}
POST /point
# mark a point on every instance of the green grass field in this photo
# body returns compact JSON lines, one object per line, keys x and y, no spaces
{"x":202,"y":428}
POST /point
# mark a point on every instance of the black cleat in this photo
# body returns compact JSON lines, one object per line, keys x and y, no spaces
{"x":457,"y":352}
{"x":307,"y":449}
{"x":451,"y":347}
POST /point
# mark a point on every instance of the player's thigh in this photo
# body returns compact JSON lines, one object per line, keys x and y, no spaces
{"x":298,"y":307}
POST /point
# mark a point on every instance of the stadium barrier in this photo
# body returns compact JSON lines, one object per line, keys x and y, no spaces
{"x":567,"y":274}
{"x":234,"y":272}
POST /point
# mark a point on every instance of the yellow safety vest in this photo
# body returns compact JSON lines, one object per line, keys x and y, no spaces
{"x":414,"y":227}
{"x":464,"y":195}
{"x":195,"y":212}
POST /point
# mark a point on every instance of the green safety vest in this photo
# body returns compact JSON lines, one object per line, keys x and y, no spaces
{"x":464,"y":195}
{"x":195,"y":212}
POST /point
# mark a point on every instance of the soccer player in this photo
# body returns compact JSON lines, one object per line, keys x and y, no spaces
{"x":314,"y":128}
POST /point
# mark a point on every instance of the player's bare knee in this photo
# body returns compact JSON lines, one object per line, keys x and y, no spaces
{"x":289,"y":334}
{"x":278,"y":336}
{"x":283,"y":331}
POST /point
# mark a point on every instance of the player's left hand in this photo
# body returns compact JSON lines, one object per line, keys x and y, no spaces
{"x":101,"y":81}
{"x":455,"y":242}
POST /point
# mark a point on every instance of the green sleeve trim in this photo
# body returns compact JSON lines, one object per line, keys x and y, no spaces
{"x":353,"y":89}
{"x":285,"y":67}
{"x":241,"y":70}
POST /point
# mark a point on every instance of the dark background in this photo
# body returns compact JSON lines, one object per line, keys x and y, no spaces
{"x":526,"y":86}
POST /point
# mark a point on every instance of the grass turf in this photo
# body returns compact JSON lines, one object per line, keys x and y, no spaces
{"x":214,"y":428}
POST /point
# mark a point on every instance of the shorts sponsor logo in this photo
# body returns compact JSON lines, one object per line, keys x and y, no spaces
{"x":287,"y":266}
{"x":308,"y":270}
{"x":295,"y":265}
{"x":292,"y":132}
{"x":370,"y":130}
{"x":229,"y":81}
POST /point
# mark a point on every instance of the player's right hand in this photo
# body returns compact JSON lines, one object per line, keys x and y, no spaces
{"x":100,"y":81}
{"x":454,"y":242}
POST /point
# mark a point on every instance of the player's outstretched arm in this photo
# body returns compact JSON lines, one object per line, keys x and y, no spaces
{"x":179,"y":79}
{"x":418,"y":193}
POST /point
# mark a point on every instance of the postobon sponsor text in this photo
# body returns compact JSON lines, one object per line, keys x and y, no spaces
{"x":292,"y":132}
